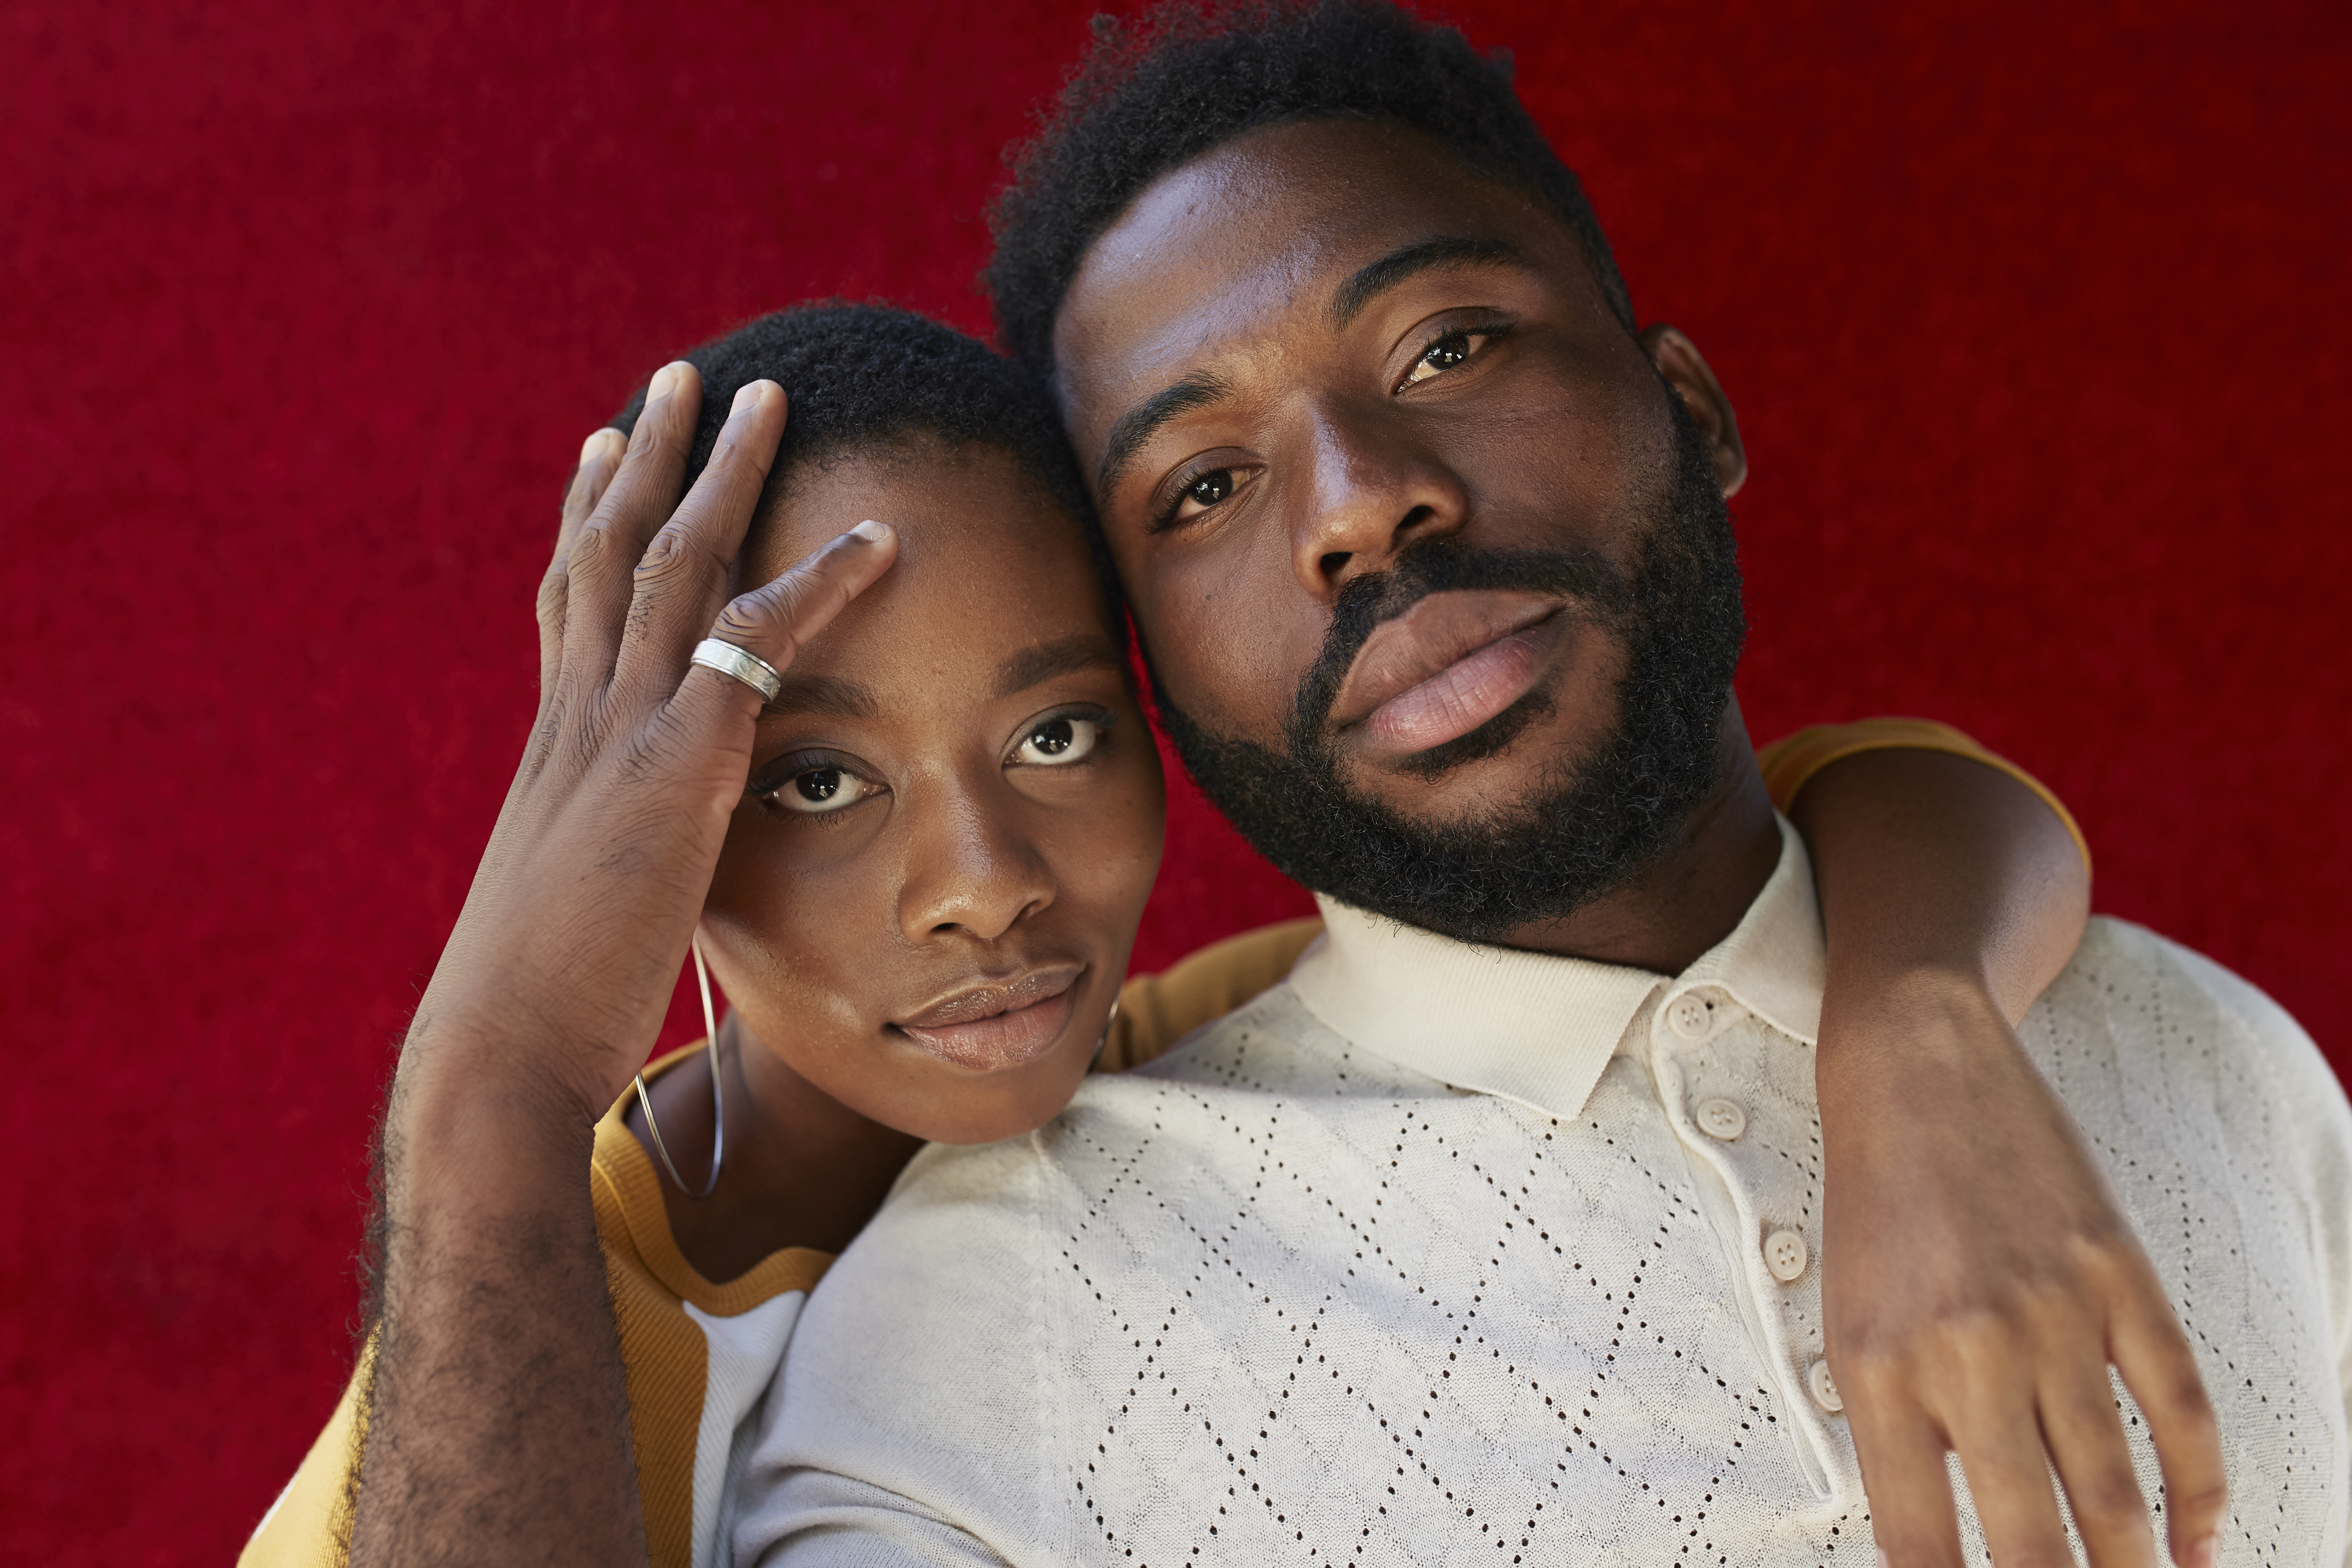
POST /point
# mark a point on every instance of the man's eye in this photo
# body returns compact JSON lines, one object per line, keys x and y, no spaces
{"x":821,"y":790}
{"x":1443,"y":356}
{"x":1204,"y":493}
{"x":1059,"y":740}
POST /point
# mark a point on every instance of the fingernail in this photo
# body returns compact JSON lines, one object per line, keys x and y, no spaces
{"x":2202,"y":1553}
{"x":745,"y":397}
{"x":594,"y":447}
{"x":665,"y":382}
{"x":1882,"y":1557}
{"x":872,"y":531}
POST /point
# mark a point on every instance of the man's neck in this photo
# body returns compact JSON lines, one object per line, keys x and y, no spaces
{"x":1694,"y":891}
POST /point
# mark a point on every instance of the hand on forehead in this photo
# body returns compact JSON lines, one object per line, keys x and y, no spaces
{"x":987,"y":564}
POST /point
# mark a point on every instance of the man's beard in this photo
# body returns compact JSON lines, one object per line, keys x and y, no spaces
{"x":1589,"y":828}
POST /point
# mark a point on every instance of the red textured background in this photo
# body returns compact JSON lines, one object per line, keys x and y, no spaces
{"x":2035,"y":323}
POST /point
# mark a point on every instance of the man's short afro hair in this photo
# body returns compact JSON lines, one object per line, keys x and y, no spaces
{"x":869,"y":376}
{"x":1189,"y":76}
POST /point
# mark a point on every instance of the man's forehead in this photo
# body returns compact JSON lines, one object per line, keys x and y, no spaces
{"x":1254,"y":237}
{"x":1204,"y":247}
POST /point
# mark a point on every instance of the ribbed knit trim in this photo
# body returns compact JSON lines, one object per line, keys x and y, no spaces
{"x":1791,"y":761}
{"x":635,"y":1186}
{"x":663,"y":1354}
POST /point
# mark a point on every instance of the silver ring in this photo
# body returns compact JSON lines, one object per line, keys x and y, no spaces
{"x":748,"y":668}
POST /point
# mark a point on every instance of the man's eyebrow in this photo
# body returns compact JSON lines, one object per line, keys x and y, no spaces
{"x":1035,"y":666}
{"x":1139,"y":424}
{"x":823,"y":694}
{"x":1375,"y":279}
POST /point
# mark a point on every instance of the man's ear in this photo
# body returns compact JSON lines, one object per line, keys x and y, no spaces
{"x":1686,"y":370}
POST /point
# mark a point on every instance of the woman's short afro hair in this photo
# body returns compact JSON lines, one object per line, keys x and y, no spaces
{"x":868,"y":375}
{"x":1188,"y":76}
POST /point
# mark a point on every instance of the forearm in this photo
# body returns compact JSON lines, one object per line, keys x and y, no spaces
{"x":1933,"y":868}
{"x":498,"y":1427}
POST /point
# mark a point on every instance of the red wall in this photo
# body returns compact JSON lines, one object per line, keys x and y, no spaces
{"x":2034,"y":322}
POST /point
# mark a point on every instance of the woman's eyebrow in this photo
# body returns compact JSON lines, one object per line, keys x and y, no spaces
{"x":1035,"y":666}
{"x":822,"y":694}
{"x":1374,"y":278}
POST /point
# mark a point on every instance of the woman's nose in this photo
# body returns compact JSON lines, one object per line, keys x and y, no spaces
{"x":971,"y":872}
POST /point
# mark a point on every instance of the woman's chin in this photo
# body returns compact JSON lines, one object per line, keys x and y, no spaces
{"x":964,"y":1107}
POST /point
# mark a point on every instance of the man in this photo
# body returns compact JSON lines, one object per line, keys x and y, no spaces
{"x":1490,"y":1235}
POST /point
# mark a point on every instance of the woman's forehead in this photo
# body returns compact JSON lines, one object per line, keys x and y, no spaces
{"x":988,"y":562}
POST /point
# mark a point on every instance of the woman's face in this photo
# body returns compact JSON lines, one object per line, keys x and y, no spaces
{"x":927,"y":893}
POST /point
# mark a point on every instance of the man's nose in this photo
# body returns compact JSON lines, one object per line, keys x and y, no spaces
{"x":1370,"y":488}
{"x":970,"y":871}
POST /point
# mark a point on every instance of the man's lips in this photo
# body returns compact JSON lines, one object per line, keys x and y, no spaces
{"x":997,"y":1024}
{"x":1446,"y":666}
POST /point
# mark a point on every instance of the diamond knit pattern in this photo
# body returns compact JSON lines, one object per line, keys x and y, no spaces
{"x":1277,"y":1299}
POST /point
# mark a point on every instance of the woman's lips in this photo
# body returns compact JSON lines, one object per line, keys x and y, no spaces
{"x":991,"y":1026}
{"x":1446,"y":666}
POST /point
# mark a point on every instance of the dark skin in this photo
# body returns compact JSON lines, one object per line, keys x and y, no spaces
{"x":952,"y":853}
{"x":930,"y":861}
{"x":655,"y":801}
{"x":1312,"y":346}
{"x":991,"y":827}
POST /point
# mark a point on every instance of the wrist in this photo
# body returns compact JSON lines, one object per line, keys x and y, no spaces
{"x":513,"y":1062}
{"x":471,"y":1137}
{"x":1903,"y":1028}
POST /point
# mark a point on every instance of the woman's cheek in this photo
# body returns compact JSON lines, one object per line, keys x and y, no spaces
{"x":803,"y":934}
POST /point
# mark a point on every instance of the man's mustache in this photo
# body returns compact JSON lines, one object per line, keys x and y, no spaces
{"x":1442,"y":565}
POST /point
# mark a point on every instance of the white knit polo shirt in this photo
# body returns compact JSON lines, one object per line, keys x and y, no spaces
{"x":1440,"y":1253}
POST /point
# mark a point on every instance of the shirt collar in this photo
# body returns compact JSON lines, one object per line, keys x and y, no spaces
{"x":1537,"y":1028}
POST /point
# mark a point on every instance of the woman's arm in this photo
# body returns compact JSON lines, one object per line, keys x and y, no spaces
{"x":1945,"y":854}
{"x":1979,"y":1275}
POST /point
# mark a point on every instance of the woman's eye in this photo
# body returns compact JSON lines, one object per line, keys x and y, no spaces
{"x":821,"y":790}
{"x":1059,"y":740}
{"x":1441,"y":356}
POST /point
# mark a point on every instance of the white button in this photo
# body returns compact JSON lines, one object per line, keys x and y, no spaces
{"x":1689,"y":1016}
{"x":1721,"y":1119}
{"x":1824,"y":1387}
{"x":1785,"y":1254}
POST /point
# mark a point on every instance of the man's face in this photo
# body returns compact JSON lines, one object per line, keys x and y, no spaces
{"x":1433,"y":569}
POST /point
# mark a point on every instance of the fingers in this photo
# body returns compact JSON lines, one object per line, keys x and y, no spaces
{"x":681,"y":580}
{"x":776,"y":621}
{"x":2085,"y":1433}
{"x":2153,"y":1356}
{"x":1901,"y":1455}
{"x":600,"y":565}
{"x":2002,"y":1453}
{"x":599,"y":457}
{"x":2009,"y":1434}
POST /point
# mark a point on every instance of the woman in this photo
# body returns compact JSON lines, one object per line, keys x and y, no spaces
{"x":914,"y":845}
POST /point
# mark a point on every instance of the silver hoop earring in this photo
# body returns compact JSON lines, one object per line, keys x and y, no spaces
{"x":1099,"y":1043}
{"x":718,"y":1095}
